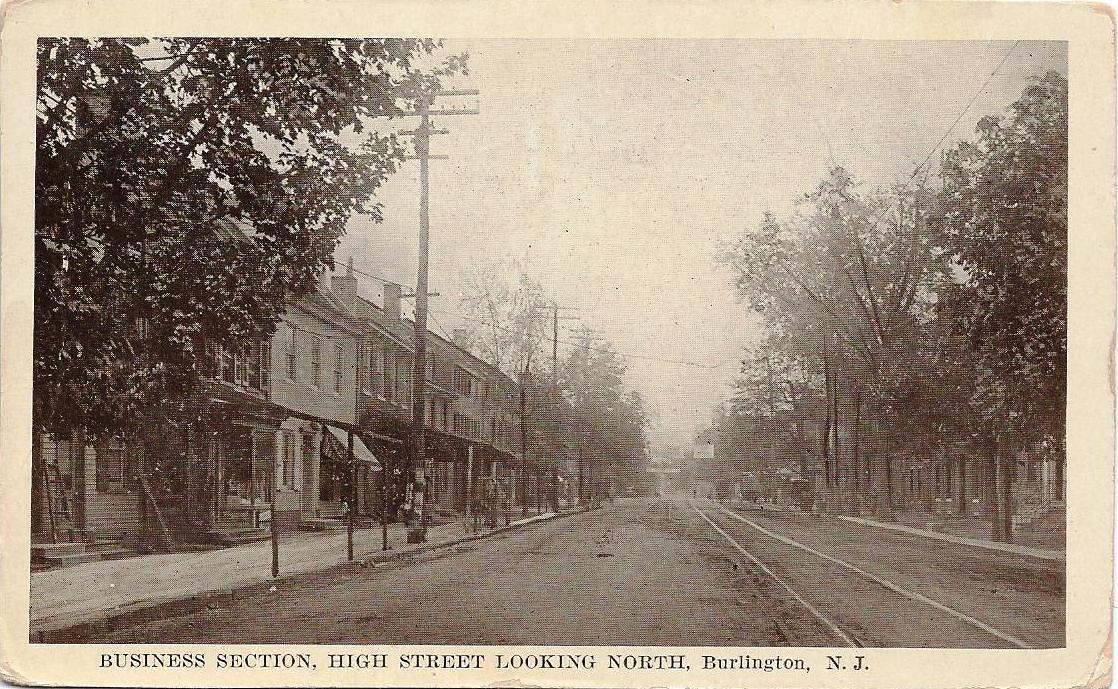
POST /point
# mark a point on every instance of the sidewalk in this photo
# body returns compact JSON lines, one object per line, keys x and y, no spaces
{"x":93,"y":591}
{"x":1041,"y":553}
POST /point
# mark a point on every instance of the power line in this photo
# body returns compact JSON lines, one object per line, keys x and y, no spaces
{"x":964,"y":111}
{"x":627,"y":355}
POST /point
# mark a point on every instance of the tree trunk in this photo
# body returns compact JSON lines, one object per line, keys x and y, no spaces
{"x":1008,"y":462}
{"x":835,"y":445}
{"x":962,"y":470}
{"x":827,"y":421}
{"x":38,"y":485}
{"x":1059,"y":469}
{"x":996,"y":480}
{"x":855,"y":451}
{"x":888,"y":459}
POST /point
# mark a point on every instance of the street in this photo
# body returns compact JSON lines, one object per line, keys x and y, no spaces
{"x":659,"y":572}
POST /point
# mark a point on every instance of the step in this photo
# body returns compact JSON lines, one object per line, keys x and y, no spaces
{"x":115,"y":553}
{"x":322,"y":525}
{"x":71,"y":559}
{"x":110,"y":550}
{"x":239,"y":536}
{"x":43,"y":551}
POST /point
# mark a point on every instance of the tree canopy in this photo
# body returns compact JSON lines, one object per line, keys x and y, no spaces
{"x":185,"y":189}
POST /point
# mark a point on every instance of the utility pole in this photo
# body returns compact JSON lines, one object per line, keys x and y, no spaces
{"x":417,"y":453}
{"x":524,"y":379}
{"x":555,"y":318}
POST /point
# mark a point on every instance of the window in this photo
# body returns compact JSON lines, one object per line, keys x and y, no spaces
{"x":117,"y":466}
{"x":389,"y":376}
{"x":227,"y":365}
{"x":316,"y":362}
{"x":403,"y":382}
{"x":339,"y":353}
{"x":110,"y":467}
{"x":461,"y":382}
{"x":292,"y":357}
{"x":365,"y":368}
{"x":376,"y":360}
{"x":285,"y":477}
{"x":263,"y":365}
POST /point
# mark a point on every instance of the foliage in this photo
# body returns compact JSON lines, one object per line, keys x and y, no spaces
{"x":918,"y":320}
{"x":505,"y":315}
{"x":184,"y":189}
{"x":1004,"y":223}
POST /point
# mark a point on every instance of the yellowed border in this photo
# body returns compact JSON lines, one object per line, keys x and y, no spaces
{"x":1087,"y":28}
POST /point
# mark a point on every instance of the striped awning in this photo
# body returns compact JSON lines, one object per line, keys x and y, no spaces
{"x":361,"y":453}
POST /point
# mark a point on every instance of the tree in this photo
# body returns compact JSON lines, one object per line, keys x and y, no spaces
{"x":846,"y":288}
{"x":185,"y":188}
{"x":504,"y":315}
{"x":1003,"y":223}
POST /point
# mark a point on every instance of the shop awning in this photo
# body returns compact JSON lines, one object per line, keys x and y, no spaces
{"x":360,"y":452}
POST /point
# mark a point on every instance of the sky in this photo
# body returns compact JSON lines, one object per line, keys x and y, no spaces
{"x":612,"y":171}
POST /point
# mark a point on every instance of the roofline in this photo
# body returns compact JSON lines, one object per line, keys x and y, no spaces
{"x":484,"y":364}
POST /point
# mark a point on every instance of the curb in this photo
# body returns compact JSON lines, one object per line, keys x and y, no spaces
{"x":148,"y":611}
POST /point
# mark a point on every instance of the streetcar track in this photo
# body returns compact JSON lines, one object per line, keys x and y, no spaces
{"x":885,"y":583}
{"x":827,"y":622}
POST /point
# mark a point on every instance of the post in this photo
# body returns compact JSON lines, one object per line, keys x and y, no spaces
{"x":351,"y":507}
{"x":273,"y":523}
{"x":418,"y":448}
{"x":581,"y":476}
{"x":384,"y":508}
{"x":553,"y":495}
{"x":524,"y":440}
{"x":469,"y":480}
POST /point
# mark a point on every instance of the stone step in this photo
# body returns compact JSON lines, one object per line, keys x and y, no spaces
{"x":319,"y":524}
{"x":110,"y":550}
{"x":44,"y":550}
{"x":239,"y":536}
{"x":116,"y":553}
{"x":70,"y":559}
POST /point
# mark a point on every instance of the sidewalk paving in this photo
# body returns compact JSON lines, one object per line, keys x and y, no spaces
{"x":1041,"y":553}
{"x":962,"y":532}
{"x":93,"y":591}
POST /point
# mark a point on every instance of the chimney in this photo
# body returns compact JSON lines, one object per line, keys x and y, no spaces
{"x":344,"y":287}
{"x":391,"y":304}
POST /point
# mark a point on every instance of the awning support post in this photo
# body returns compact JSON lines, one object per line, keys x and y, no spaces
{"x":351,"y":507}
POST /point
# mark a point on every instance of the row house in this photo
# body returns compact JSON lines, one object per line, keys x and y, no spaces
{"x":470,"y":411}
{"x":265,"y":435}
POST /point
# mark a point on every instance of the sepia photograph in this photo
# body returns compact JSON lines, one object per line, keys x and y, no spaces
{"x":566,"y":342}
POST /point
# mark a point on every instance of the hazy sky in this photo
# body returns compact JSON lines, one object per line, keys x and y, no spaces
{"x":612,"y":169}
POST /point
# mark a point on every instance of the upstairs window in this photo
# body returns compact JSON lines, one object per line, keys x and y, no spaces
{"x":316,"y":362}
{"x":292,"y":354}
{"x":339,"y":353}
{"x":365,"y":368}
{"x":376,"y":379}
{"x":389,"y":376}
{"x":403,"y":381}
